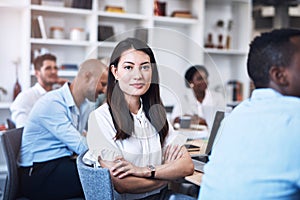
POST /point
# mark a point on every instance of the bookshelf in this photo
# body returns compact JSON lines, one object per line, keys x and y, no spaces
{"x":178,"y":42}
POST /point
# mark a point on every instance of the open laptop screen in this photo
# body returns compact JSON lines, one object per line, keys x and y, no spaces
{"x":214,"y":130}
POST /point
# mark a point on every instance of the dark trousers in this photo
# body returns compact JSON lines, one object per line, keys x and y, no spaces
{"x":52,"y":180}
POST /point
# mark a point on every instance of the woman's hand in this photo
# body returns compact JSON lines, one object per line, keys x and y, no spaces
{"x":121,"y":168}
{"x":172,"y":152}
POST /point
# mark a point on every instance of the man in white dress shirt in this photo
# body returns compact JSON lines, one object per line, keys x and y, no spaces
{"x":46,"y":73}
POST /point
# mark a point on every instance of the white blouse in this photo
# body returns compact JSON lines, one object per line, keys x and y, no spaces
{"x":141,"y":148}
{"x":212,"y":102}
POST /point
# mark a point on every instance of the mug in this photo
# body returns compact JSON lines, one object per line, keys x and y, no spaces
{"x":185,"y":122}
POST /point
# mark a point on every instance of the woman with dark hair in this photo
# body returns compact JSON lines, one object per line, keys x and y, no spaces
{"x":201,"y":102}
{"x":130,"y":133}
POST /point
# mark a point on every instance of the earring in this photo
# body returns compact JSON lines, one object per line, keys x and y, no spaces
{"x":116,"y":81}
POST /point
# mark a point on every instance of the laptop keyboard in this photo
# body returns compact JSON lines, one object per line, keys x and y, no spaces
{"x":199,"y":162}
{"x":198,"y":165}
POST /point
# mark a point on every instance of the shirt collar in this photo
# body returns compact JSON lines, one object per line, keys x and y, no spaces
{"x":265,"y":93}
{"x":70,"y":100}
{"x":68,"y":95}
{"x":140,"y":111}
{"x":39,"y":88}
{"x":140,"y":116}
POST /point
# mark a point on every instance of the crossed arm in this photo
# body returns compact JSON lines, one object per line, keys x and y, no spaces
{"x":128,"y":178}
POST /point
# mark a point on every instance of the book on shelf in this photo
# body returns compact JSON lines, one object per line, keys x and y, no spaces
{"x":183,"y":14}
{"x":82,"y":4}
{"x":42,"y":26}
{"x":69,"y":67}
{"x":35,"y":28}
{"x":56,"y":3}
{"x":105,"y":33}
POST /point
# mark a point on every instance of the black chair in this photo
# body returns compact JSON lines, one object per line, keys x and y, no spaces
{"x":10,"y":124}
{"x":11,"y":142}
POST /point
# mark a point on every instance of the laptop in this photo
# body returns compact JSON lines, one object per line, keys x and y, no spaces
{"x":200,"y":160}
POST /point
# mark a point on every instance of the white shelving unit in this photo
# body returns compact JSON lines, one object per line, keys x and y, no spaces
{"x":230,"y":63}
{"x":177,"y":42}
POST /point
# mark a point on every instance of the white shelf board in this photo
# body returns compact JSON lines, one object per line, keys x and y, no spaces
{"x":65,"y":10}
{"x":131,"y":16}
{"x":175,"y":20}
{"x":225,"y":51}
{"x":59,"y":42}
{"x":5,"y":105}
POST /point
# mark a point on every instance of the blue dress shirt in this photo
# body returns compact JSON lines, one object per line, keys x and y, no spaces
{"x":256,"y":153}
{"x":54,"y":128}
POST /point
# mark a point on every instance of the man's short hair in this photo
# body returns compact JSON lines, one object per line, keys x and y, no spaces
{"x":270,"y":49}
{"x":38,"y":61}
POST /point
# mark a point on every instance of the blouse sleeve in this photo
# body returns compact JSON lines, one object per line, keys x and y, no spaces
{"x":100,"y":138}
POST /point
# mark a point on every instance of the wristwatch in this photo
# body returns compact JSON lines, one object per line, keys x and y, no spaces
{"x":152,"y":169}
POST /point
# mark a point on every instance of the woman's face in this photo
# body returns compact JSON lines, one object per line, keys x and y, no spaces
{"x":199,"y":81}
{"x":134,"y":73}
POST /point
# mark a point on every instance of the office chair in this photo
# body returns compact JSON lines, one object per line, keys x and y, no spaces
{"x":96,"y":182}
{"x":10,"y":124}
{"x":11,"y":142}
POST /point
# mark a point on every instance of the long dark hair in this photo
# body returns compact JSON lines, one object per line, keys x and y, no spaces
{"x":152,"y":104}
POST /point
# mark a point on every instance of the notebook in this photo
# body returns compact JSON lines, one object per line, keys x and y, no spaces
{"x":200,"y":160}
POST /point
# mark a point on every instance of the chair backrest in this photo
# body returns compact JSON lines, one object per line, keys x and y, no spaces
{"x":96,"y":182}
{"x":10,"y":124}
{"x":11,"y":142}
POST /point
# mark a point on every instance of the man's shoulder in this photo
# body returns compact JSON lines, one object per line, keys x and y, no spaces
{"x":27,"y":92}
{"x":28,"y":96}
{"x":56,"y":93}
{"x":50,"y":100}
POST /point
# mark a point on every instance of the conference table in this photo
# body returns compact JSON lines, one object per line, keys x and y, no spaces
{"x":197,"y":176}
{"x":196,"y":137}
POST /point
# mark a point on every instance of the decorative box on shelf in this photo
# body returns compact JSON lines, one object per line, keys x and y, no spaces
{"x":116,"y":9}
{"x":184,"y":14}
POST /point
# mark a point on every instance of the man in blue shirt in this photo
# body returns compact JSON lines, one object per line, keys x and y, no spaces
{"x":256,"y":154}
{"x":55,"y":131}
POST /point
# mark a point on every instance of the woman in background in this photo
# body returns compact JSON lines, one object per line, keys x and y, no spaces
{"x":201,"y":102}
{"x":130,"y":134}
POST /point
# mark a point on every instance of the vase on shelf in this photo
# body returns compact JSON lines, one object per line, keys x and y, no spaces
{"x":220,"y":33}
{"x":209,"y":43}
{"x":228,"y":37}
{"x":220,"y":41}
{"x":17,"y":86}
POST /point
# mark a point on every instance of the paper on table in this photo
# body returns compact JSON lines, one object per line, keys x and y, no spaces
{"x":193,"y":134}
